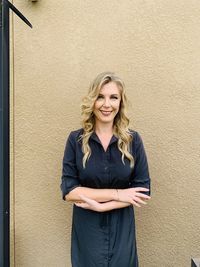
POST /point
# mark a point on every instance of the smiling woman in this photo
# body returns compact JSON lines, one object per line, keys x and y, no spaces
{"x":105,"y":175}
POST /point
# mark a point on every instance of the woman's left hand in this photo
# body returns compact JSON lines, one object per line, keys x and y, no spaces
{"x":89,"y":204}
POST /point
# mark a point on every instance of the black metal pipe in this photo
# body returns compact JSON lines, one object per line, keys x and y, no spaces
{"x":195,"y":262}
{"x":5,"y":138}
{"x":5,"y":5}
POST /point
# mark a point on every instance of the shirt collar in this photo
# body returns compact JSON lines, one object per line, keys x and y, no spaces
{"x":95,"y":137}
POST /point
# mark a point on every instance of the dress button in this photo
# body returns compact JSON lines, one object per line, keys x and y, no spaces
{"x":105,"y":168}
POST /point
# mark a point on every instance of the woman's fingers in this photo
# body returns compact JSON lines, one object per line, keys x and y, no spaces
{"x":134,"y":203}
{"x":141,"y":189}
{"x":138,"y":200}
{"x":134,"y":196}
{"x":142,"y":195}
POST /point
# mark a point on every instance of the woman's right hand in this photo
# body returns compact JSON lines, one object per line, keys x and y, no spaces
{"x":133,"y":195}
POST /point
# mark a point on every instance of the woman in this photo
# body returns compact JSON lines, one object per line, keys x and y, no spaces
{"x":105,"y":174}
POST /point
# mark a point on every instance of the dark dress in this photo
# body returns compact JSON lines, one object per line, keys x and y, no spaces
{"x":104,"y":239}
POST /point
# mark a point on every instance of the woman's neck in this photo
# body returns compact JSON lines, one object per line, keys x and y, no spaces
{"x":104,"y":129}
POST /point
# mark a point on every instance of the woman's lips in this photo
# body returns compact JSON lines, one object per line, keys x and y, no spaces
{"x":105,"y":113}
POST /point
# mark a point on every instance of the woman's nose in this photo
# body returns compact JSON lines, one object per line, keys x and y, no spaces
{"x":106,"y":102}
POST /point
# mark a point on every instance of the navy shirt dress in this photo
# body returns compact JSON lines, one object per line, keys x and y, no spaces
{"x":103,"y":239}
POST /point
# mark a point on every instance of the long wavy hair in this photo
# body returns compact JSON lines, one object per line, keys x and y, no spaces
{"x":121,"y":121}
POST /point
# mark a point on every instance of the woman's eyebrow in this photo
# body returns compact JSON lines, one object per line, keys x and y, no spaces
{"x":114,"y":94}
{"x":110,"y":95}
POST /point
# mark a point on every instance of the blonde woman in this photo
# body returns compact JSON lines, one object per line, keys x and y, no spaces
{"x":105,"y":175}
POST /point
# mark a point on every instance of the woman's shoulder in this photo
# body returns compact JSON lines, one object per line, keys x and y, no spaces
{"x":136,"y":136}
{"x":75,"y":134}
{"x":133,"y":133}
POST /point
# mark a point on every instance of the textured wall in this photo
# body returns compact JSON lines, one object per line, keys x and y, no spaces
{"x":155,"y":46}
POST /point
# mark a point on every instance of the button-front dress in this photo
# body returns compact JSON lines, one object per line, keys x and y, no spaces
{"x":103,"y":239}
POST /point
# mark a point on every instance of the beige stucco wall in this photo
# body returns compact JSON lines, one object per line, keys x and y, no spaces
{"x":154,"y":46}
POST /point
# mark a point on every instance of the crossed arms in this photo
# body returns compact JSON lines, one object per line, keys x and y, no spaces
{"x":102,"y":200}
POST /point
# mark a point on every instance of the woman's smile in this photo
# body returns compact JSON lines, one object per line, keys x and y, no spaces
{"x":105,"y":112}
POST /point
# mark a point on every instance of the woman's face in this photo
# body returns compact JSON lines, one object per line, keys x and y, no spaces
{"x":107,"y":104}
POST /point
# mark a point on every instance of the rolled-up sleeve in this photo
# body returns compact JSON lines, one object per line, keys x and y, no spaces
{"x":141,"y":176}
{"x":69,"y":179}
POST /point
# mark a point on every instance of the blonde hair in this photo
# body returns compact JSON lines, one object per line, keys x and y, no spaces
{"x":121,"y":121}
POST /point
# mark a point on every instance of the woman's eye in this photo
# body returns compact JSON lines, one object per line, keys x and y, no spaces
{"x":114,"y":97}
{"x":100,"y":97}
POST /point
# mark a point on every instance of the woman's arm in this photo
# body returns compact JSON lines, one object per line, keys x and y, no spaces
{"x":91,"y":204}
{"x":107,"y":206}
{"x":141,"y":177}
{"x":99,"y":195}
{"x":130,"y":195}
{"x":111,"y":205}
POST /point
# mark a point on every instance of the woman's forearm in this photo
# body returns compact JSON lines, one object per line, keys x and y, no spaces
{"x":100,"y":207}
{"x":111,"y":205}
{"x":99,"y":195}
